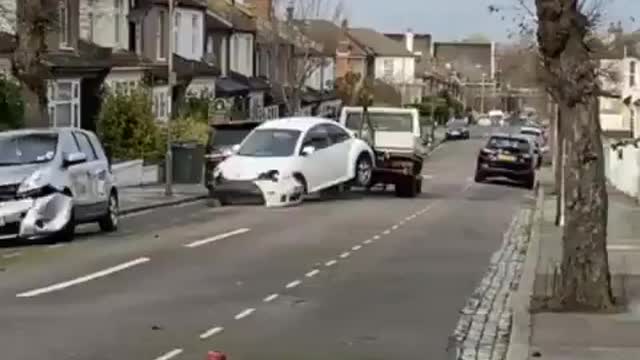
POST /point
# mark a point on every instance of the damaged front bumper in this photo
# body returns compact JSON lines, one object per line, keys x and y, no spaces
{"x":286,"y":192}
{"x":35,"y":217}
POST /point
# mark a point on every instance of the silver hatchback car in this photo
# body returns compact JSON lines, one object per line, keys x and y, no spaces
{"x":53,"y":179}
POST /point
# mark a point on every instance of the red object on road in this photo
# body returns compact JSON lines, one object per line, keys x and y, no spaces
{"x":216,"y":355}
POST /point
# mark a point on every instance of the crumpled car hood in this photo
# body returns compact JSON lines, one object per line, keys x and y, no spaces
{"x":16,"y":174}
{"x":248,"y":168}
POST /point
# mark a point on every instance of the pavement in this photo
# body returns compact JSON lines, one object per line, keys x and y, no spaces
{"x":569,"y":336}
{"x":357,"y":276}
{"x":141,"y":198}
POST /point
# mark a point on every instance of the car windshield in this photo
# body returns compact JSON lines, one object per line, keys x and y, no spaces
{"x":27,"y":148}
{"x":390,"y":122}
{"x":530,"y":132}
{"x":457,"y":123}
{"x":270,"y":143}
{"x":506,"y":143}
{"x":222,"y":137}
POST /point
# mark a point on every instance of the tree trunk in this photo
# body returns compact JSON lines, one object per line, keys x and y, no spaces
{"x":35,"y":108}
{"x":586,"y":282}
{"x":558,"y":162}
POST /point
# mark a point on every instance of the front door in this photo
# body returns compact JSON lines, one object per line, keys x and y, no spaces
{"x":339,"y":149}
{"x":317,"y":167}
{"x":92,"y":200}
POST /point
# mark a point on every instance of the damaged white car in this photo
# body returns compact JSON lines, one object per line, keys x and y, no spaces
{"x":282,"y":160}
{"x":51,"y":180}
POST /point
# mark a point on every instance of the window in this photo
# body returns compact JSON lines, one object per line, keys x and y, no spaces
{"x":336,"y":134}
{"x":63,"y":15}
{"x":176,"y":31}
{"x":387,"y":67}
{"x":316,"y":137}
{"x":138,"y":31}
{"x":195,"y":34}
{"x":249,"y":56}
{"x":161,"y":33}
{"x":210,"y":45}
{"x":68,"y":144}
{"x":117,"y":20}
{"x":85,"y":146}
{"x":632,"y":73}
{"x":64,"y":103}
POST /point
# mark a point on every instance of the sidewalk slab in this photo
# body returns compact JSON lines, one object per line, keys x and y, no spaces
{"x":136,"y":199}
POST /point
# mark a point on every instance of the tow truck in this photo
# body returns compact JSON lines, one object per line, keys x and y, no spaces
{"x":395,"y":136}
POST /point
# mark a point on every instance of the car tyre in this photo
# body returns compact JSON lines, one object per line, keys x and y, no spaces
{"x":68,"y":231}
{"x":363,"y":171}
{"x":407,"y":188}
{"x":109,"y":222}
{"x":530,"y":182}
{"x":479,"y":176}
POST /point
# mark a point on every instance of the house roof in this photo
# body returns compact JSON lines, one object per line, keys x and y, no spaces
{"x":185,"y":69}
{"x":323,"y":31}
{"x":226,"y":86}
{"x":422,"y":44}
{"x":241,"y":20}
{"x":214,"y":23}
{"x":379,"y":44}
{"x":253,"y":83}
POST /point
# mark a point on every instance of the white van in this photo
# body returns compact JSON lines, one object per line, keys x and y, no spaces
{"x":497,"y":117}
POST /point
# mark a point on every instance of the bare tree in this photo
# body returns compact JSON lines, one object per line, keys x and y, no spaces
{"x":571,"y":75}
{"x":31,"y":21}
{"x":306,"y":57}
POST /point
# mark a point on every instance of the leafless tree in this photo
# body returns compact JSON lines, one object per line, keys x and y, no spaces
{"x":570,"y":74}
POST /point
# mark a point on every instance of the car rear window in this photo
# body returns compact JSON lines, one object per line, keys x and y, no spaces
{"x":221,"y":137}
{"x":505,"y":143}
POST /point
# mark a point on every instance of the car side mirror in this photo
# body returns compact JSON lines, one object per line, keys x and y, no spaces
{"x":308,"y":150}
{"x":235,"y":148}
{"x":73,"y":159}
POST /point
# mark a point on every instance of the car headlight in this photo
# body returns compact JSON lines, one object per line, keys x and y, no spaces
{"x":227,"y":152}
{"x":32,"y":183}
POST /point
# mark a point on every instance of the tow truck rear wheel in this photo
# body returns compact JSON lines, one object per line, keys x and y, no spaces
{"x":408,"y":187}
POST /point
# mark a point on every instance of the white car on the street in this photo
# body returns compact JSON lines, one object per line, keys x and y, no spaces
{"x":282,"y":160}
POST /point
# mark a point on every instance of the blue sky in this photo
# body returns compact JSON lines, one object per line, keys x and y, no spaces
{"x":456,"y":19}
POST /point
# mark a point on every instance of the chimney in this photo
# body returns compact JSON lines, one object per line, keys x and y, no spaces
{"x":409,"y":37}
{"x":262,"y":8}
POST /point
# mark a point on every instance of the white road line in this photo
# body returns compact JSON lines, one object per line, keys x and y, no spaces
{"x":11,"y":255}
{"x":367,"y":242}
{"x":622,"y":247}
{"x":377,"y":237}
{"x":386,"y":232}
{"x":312,"y":273}
{"x":244,"y":313}
{"x":408,"y":218}
{"x":217,"y":237}
{"x":330,"y":263}
{"x":139,"y":213}
{"x":356,"y":248}
{"x":413,"y":216}
{"x":395,"y":227}
{"x":213,"y":331}
{"x":170,"y":355}
{"x":270,"y":298}
{"x":83,"y":279}
{"x":293,"y":284}
{"x":345,"y":255}
{"x":55,"y":246}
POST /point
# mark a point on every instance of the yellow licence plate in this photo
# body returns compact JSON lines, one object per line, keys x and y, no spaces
{"x":506,"y":158}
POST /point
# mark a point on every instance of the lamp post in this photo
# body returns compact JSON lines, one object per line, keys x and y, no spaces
{"x":168,"y":191}
{"x":484,"y":76}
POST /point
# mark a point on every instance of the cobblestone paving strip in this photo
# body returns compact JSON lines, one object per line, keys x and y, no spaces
{"x":484,"y":327}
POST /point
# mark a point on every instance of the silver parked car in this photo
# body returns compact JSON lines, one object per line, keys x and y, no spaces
{"x":52,"y":180}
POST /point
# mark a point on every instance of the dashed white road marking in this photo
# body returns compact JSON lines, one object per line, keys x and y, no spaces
{"x":244,"y":313}
{"x":356,"y":248}
{"x":139,"y":213}
{"x":270,"y":298}
{"x":395,"y":227}
{"x":211,"y":332}
{"x":217,"y":237}
{"x":622,"y":247}
{"x":386,"y":232}
{"x":377,"y":237}
{"x":345,"y":255}
{"x":170,"y":355}
{"x":11,"y":255}
{"x":330,"y":263}
{"x":312,"y":273}
{"x":293,"y":284}
{"x":83,"y":279}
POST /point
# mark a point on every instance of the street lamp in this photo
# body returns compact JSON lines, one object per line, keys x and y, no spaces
{"x":484,"y":76}
{"x":168,"y":191}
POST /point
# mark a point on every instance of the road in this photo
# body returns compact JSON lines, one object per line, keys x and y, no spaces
{"x":354,"y":277}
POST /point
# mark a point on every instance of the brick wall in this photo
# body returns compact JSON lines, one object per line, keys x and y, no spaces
{"x":262,"y":8}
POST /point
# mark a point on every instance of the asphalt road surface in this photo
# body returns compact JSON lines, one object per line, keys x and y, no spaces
{"x":359,"y":276}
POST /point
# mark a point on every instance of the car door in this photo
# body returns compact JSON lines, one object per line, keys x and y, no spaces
{"x":316,"y":166}
{"x":104,"y":177}
{"x":339,"y":152}
{"x":77,"y":173}
{"x":89,"y":205}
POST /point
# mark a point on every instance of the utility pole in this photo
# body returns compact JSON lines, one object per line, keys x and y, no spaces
{"x":484,"y":76}
{"x":433,"y":119}
{"x":168,"y":179}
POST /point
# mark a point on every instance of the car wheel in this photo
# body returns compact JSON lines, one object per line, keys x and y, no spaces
{"x":479,"y":177}
{"x":530,"y":182}
{"x":364,"y":171}
{"x":407,"y":188}
{"x":68,"y":231}
{"x":110,"y":221}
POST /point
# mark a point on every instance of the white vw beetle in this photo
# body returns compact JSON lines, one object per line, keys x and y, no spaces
{"x":281,"y":160}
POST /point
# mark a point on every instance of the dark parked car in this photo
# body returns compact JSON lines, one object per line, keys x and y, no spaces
{"x":508,"y":155}
{"x":457,"y":129}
